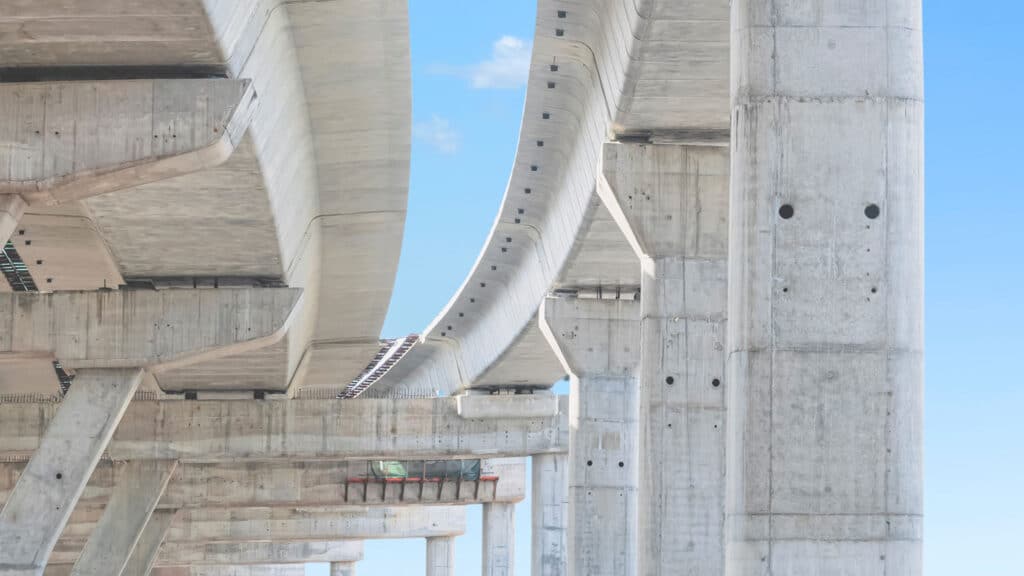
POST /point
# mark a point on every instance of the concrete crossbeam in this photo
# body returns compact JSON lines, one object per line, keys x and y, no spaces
{"x":288,"y":483}
{"x":597,"y":342}
{"x":231,"y":430}
{"x":65,"y":456}
{"x":826,"y":289}
{"x":125,"y":518}
{"x":254,"y":570}
{"x":72,"y":140}
{"x":244,"y":553}
{"x":292,"y":525}
{"x":157,"y":329}
{"x":672,"y":204}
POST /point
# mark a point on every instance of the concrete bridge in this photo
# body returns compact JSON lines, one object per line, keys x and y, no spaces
{"x":713,"y":226}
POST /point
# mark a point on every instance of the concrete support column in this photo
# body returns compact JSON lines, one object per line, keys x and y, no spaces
{"x":145,"y":552}
{"x":598,"y":343}
{"x":46,"y":493}
{"x":343,"y":569}
{"x":672,"y":203}
{"x":138,"y":490}
{"x":441,"y":556}
{"x":826,"y":289}
{"x":550,"y":515}
{"x":499,"y":539}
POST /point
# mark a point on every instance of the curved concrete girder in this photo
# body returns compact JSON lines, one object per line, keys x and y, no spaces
{"x":592,"y":79}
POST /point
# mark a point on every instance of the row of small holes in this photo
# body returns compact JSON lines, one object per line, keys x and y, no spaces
{"x":872,"y":211}
{"x":533,"y":168}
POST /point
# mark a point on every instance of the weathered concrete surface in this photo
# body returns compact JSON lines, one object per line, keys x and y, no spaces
{"x":252,"y":570}
{"x":499,"y":539}
{"x":45,"y":495}
{"x":672,"y":202}
{"x":228,"y":430}
{"x":343,"y":569}
{"x":296,"y":525}
{"x":288,"y":483}
{"x":66,"y":141}
{"x":12,"y":208}
{"x":146,"y":548}
{"x":550,"y":515}
{"x":202,"y":554}
{"x":125,"y":518}
{"x":151,"y":328}
{"x":598,"y":342}
{"x":441,"y":556}
{"x":826,"y":289}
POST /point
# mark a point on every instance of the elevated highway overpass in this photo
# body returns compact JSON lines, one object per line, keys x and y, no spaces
{"x":713,"y":225}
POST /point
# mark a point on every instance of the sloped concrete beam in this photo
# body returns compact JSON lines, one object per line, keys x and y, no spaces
{"x":42,"y":501}
{"x":672,"y":204}
{"x":156,"y":329}
{"x":70,"y":140}
{"x":598,"y":343}
{"x":125,"y":518}
{"x":231,"y":430}
{"x":826,"y":289}
{"x":145,"y":552}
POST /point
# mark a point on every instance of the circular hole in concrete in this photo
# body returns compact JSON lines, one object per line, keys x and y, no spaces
{"x":622,"y":464}
{"x":786,"y":211}
{"x":59,"y":475}
{"x":590,"y":462}
{"x":670,"y":380}
{"x":716,"y":382}
{"x":872,"y":211}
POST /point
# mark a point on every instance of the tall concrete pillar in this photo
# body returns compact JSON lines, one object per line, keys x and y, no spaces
{"x":46,"y":493}
{"x":598,"y":343}
{"x":138,"y":491}
{"x":826,"y":289}
{"x":499,"y":539}
{"x":672,"y":203}
{"x":343,"y":569}
{"x":441,"y":556}
{"x":145,"y":552}
{"x":550,"y":508}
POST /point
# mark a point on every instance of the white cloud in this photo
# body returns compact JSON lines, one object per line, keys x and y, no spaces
{"x":508,"y":66}
{"x":438,"y":133}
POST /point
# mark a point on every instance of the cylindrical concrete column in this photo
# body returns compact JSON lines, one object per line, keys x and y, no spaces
{"x":343,"y":569}
{"x":441,"y":556}
{"x":826,"y":289}
{"x":550,"y":508}
{"x":499,"y":539}
{"x":598,"y":340}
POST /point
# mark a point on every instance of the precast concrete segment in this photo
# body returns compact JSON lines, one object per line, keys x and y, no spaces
{"x":157,"y":329}
{"x":125,"y":518}
{"x":598,"y":342}
{"x":285,"y":483}
{"x":672,"y":203}
{"x":232,"y":430}
{"x":441,"y":556}
{"x":71,"y":140}
{"x":39,"y":507}
{"x":826,"y":274}
{"x":343,"y":569}
{"x":550,"y":515}
{"x":499,"y":539}
{"x":146,"y":548}
{"x":242,"y":553}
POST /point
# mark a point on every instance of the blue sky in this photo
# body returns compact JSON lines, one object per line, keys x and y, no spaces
{"x":467,"y":100}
